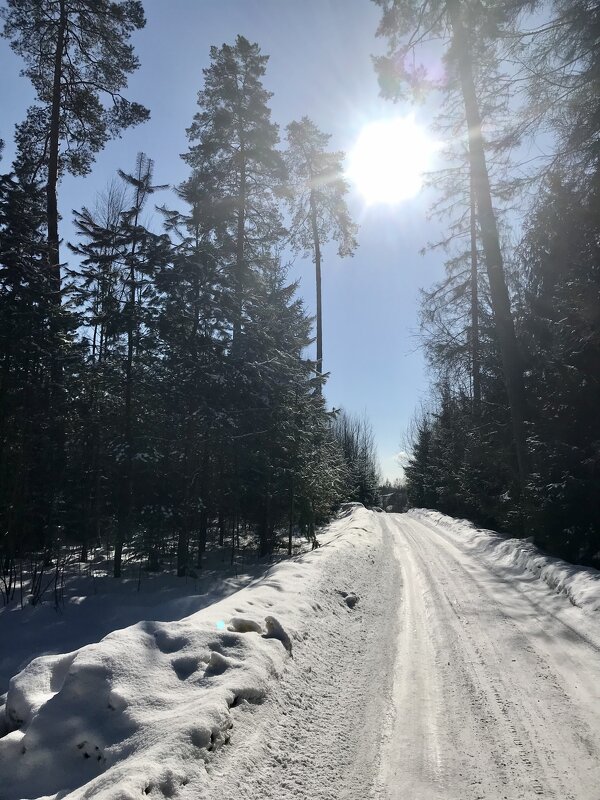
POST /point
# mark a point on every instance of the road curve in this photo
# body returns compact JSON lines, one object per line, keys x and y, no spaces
{"x":496,"y":690}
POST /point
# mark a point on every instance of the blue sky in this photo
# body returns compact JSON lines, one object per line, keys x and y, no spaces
{"x":320,"y":66}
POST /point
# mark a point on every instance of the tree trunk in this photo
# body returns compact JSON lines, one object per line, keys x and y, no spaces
{"x":291,"y":522}
{"x":222,"y":528}
{"x":263,"y":533}
{"x":505,"y":331}
{"x":317,"y":252}
{"x":118,"y":551}
{"x":182,"y":549}
{"x":126,"y":504}
{"x":239,"y":260}
{"x":311,"y":526}
{"x":55,"y":399}
{"x":53,"y":147}
{"x":475,"y":368}
{"x":202,"y":531}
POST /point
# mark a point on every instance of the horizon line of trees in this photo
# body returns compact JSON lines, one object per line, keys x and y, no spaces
{"x":154,"y":387}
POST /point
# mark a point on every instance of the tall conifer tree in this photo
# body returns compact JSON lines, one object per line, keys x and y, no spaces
{"x":233,"y":147}
{"x":75,"y":53}
{"x":465,"y":29}
{"x":317,"y":201}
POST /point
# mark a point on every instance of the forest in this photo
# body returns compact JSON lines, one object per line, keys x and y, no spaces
{"x":155,"y":390}
{"x":510,"y":434}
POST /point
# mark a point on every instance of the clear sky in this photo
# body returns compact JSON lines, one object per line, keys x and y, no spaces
{"x":320,"y":66}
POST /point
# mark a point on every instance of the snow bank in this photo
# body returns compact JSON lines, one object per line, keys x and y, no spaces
{"x":143,"y":711}
{"x":580,"y":584}
{"x":96,"y":606}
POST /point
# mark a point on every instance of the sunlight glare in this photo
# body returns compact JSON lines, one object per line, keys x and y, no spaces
{"x":389,"y":159}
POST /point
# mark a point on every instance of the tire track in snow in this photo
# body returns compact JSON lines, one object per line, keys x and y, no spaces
{"x":493,"y":689}
{"x":474,"y":682}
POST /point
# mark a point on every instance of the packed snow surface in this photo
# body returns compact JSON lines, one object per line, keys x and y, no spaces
{"x":409,"y":657}
{"x":580,"y":584}
{"x":497,"y":678}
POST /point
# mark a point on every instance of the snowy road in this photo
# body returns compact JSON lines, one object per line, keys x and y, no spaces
{"x":417,"y":659}
{"x":496,"y":688}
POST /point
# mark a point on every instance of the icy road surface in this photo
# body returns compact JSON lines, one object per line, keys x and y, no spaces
{"x":496,"y":689}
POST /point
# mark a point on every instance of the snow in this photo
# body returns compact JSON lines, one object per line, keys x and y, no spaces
{"x":146,"y":709}
{"x":580,"y":584}
{"x":410,"y":655}
{"x":96,"y":604}
{"x":496,"y":678}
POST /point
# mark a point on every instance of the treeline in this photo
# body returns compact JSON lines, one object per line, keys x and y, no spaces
{"x":510,"y":436}
{"x":154,"y":388}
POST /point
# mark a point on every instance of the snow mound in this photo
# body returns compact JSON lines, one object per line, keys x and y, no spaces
{"x":242,"y":625}
{"x":129,"y":701}
{"x":346,"y":509}
{"x":142,"y":711}
{"x":580,"y":584}
{"x":275,"y":630}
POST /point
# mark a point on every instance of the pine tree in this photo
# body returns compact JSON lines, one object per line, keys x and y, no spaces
{"x":405,"y":26}
{"x":317,"y":202}
{"x":75,"y":52}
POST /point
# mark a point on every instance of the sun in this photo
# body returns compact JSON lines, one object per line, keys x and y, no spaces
{"x":389,"y":159}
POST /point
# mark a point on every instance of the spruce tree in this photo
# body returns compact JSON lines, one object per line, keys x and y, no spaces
{"x":97,"y":291}
{"x":29,"y":507}
{"x":560,"y":258}
{"x":120,"y":260}
{"x":233,"y":147}
{"x":194,"y":332}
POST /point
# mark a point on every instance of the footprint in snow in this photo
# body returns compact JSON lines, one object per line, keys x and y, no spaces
{"x":167,"y":643}
{"x":185,"y":666}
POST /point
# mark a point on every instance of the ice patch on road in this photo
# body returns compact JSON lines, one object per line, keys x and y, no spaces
{"x":580,"y":584}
